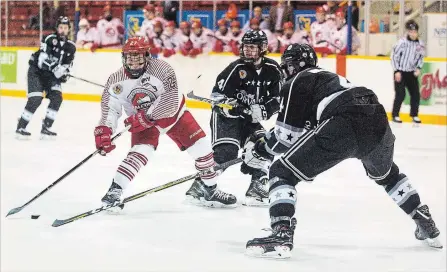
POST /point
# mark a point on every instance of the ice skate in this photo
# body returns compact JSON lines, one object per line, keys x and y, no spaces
{"x":209,"y":196}
{"x":257,"y":194}
{"x":426,"y":229}
{"x":22,"y":134}
{"x":278,"y":245}
{"x":396,"y":119}
{"x":112,"y":196}
{"x":46,"y":133}
{"x":416,"y":120}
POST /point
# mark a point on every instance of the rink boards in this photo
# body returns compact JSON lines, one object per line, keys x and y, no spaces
{"x":373,"y":72}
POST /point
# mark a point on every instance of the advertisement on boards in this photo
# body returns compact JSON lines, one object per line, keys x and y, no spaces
{"x":8,"y":66}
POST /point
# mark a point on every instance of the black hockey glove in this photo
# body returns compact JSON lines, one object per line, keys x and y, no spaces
{"x":256,"y":157}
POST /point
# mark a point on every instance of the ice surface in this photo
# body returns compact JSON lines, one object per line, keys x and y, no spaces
{"x":345,"y":221}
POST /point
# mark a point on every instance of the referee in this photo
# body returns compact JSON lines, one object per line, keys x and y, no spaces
{"x":407,"y":59}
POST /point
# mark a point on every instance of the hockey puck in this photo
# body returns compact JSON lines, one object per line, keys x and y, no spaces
{"x":35,"y":216}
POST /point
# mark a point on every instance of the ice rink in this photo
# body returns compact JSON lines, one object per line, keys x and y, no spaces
{"x":345,"y":221}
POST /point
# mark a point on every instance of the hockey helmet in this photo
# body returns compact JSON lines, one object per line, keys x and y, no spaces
{"x":235,"y":23}
{"x":298,"y":57}
{"x":222,"y":22}
{"x":63,"y":27}
{"x":135,"y":56}
{"x":411,"y":25}
{"x":288,"y":25}
{"x":254,"y":21}
{"x":149,"y":8}
{"x":196,"y":24}
{"x":253,"y":46}
{"x":170,"y":24}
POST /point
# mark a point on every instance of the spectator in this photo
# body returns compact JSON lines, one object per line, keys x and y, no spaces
{"x":355,"y":16}
{"x":110,"y":31}
{"x":86,"y":35}
{"x":320,"y":32}
{"x":278,"y":15}
{"x":291,"y":36}
{"x":170,"y":9}
{"x":223,"y":37}
{"x":339,"y":35}
{"x":48,"y":18}
{"x":235,"y":37}
{"x":150,"y":18}
{"x":201,"y":38}
{"x":272,"y":40}
{"x":170,"y":39}
{"x":257,"y":13}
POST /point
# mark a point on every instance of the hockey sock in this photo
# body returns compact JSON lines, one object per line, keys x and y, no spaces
{"x":131,"y":165}
{"x":282,"y":198}
{"x":30,"y":108}
{"x":55,"y":103}
{"x":203,"y":163}
{"x":403,"y":194}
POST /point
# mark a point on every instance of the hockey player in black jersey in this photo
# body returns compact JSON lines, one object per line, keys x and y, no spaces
{"x":252,"y":85}
{"x":324,"y":120}
{"x":48,"y":68}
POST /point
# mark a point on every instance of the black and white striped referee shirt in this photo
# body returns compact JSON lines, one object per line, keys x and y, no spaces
{"x":408,"y":55}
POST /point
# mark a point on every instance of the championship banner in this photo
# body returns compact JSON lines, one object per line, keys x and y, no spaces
{"x":8,"y":66}
{"x":133,"y":19}
{"x":432,"y":84}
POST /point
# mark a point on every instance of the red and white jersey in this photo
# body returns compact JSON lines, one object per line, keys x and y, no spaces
{"x":171,"y":41}
{"x":155,"y":92}
{"x":87,"y":36}
{"x":225,"y":39}
{"x":339,"y":39}
{"x":147,"y":27}
{"x":321,"y":32}
{"x":156,"y":40}
{"x":237,"y":38}
{"x":204,"y":41}
{"x":272,"y":40}
{"x":110,"y":33}
{"x":297,"y":37}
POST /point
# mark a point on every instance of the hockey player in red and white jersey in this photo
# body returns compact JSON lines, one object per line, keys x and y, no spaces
{"x":339,"y":36}
{"x":156,"y":39}
{"x":235,"y":37}
{"x":147,"y":90}
{"x":150,"y":18}
{"x":223,"y":37}
{"x":320,"y":32}
{"x":291,"y":36}
{"x":183,"y":38}
{"x":110,"y":31}
{"x":273,"y":43}
{"x":202,"y":39}
{"x":86,"y":36}
{"x":170,"y":39}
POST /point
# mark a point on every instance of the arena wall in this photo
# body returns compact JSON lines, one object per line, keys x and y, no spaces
{"x":372,"y":72}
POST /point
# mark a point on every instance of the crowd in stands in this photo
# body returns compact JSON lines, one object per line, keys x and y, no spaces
{"x":328,"y":34}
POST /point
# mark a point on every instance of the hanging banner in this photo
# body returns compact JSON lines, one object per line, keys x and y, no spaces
{"x":133,"y":19}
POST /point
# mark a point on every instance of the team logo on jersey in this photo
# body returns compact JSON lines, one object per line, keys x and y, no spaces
{"x":117,"y":89}
{"x":145,"y":80}
{"x":54,"y":41}
{"x":242,"y":74}
{"x":142,"y":98}
{"x":110,"y":32}
{"x":248,"y":99}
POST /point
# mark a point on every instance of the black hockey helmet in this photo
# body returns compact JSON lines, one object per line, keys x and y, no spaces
{"x":63,"y":20}
{"x":253,"y":46}
{"x":298,"y":57}
{"x":411,"y":25}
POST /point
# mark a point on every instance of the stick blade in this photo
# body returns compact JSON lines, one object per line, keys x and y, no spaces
{"x":58,"y":223}
{"x":190,"y":94}
{"x":14,"y":211}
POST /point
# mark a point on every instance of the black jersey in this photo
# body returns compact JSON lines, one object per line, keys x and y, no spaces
{"x":250,"y":86}
{"x":308,"y":98}
{"x":53,"y":52}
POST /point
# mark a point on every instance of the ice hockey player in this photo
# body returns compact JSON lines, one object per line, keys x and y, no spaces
{"x":48,"y":68}
{"x":201,"y":38}
{"x":235,"y":37}
{"x":320,"y":32}
{"x":147,"y":89}
{"x":156,"y":39}
{"x":223,"y":37}
{"x":290,"y":36}
{"x":339,"y":35}
{"x":252,"y":84}
{"x":324,"y":120}
{"x":170,"y":39}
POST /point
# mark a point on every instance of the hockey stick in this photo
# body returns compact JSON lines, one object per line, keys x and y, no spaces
{"x":88,"y":81}
{"x":191,"y":95}
{"x":18,"y":209}
{"x":222,"y":167}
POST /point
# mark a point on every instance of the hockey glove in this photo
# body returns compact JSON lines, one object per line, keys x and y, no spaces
{"x":258,"y":113}
{"x":256,"y":157}
{"x":138,"y":122}
{"x":60,"y":71}
{"x":103,"y":140}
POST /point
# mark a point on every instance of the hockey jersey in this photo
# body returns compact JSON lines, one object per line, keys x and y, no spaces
{"x":155,"y":92}
{"x":204,"y":41}
{"x":110,"y":32}
{"x":339,"y":39}
{"x":320,"y":33}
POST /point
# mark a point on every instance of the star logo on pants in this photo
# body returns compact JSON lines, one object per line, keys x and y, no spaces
{"x":278,"y":195}
{"x":291,"y":194}
{"x":401,"y":193}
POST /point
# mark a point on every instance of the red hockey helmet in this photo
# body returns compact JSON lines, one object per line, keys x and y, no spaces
{"x":254,"y":21}
{"x":170,"y":24}
{"x":320,"y":10}
{"x":158,"y":24}
{"x":135,"y":55}
{"x":235,"y":23}
{"x":340,"y":13}
{"x":288,"y":25}
{"x":222,"y":22}
{"x":184,"y":25}
{"x":149,"y":8}
{"x":196,"y":24}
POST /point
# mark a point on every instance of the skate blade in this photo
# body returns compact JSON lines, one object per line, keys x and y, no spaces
{"x":45,"y":137}
{"x":215,"y":204}
{"x":193,"y":201}
{"x":21,"y":137}
{"x":254,"y":202}
{"x":280,"y":252}
{"x":434,"y":243}
{"x":115,"y":210}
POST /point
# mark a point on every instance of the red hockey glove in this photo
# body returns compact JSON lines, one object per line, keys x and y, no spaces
{"x":155,"y":50}
{"x":138,"y":122}
{"x":94,"y":47}
{"x":218,"y":46}
{"x":184,"y":52}
{"x":168,"y":52}
{"x":103,"y":140}
{"x":195,"y":51}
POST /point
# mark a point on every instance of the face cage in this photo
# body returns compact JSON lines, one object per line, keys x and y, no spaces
{"x":134,"y":63}
{"x":252,"y":54}
{"x":290,"y":68}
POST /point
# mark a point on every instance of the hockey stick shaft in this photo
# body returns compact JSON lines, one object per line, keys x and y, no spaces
{"x":191,"y":95}
{"x":222,"y":167}
{"x":18,"y":209}
{"x":88,"y":81}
